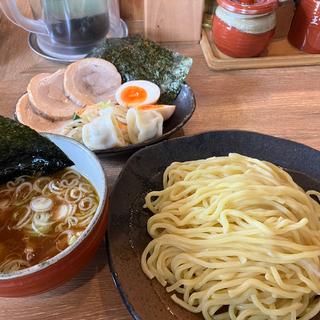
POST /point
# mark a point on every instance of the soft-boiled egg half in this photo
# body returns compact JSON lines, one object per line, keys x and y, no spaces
{"x":137,"y":93}
{"x":165,"y":110}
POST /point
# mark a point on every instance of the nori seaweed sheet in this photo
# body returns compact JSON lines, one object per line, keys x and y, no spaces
{"x":140,"y":59}
{"x":24,"y":152}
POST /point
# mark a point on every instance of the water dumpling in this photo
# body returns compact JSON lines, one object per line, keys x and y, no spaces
{"x":103,"y":132}
{"x":144,"y":125}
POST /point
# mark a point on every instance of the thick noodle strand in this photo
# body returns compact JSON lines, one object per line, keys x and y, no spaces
{"x":235,"y":234}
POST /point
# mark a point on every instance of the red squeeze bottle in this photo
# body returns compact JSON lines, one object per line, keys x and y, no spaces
{"x":304,"y":33}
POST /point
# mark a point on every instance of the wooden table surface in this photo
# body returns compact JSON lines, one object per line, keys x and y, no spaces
{"x":281,"y":102}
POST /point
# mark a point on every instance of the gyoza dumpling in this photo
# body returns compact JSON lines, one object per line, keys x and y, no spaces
{"x":144,"y":125}
{"x":103,"y":132}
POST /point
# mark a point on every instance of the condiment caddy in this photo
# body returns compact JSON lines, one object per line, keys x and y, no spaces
{"x":251,"y":34}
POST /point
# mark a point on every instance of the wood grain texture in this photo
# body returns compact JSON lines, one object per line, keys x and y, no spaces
{"x":169,"y":21}
{"x":283,"y":102}
{"x":132,"y":9}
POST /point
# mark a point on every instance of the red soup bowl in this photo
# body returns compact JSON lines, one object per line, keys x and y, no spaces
{"x":62,"y":267}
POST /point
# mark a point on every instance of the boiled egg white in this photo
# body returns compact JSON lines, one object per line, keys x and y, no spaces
{"x":165,"y":110}
{"x":137,"y":93}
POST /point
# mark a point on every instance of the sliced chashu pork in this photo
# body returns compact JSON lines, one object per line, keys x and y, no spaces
{"x":26,"y":116}
{"x":90,"y":81}
{"x":47,"y":97}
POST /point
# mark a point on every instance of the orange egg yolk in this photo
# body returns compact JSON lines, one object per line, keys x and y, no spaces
{"x":133,"y":95}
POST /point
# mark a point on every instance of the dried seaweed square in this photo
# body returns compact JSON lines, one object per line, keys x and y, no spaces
{"x":140,"y":59}
{"x":25,"y":152}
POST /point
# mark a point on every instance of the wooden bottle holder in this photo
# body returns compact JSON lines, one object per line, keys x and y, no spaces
{"x":280,"y":52}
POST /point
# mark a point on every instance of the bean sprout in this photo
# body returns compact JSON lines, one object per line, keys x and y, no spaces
{"x":74,"y":129}
{"x":74,"y":133}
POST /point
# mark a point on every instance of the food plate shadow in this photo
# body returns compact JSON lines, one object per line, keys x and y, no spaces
{"x":127,"y":233}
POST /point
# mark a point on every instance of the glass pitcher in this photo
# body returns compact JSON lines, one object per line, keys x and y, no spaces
{"x":66,"y":28}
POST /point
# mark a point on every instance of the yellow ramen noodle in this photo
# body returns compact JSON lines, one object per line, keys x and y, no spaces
{"x":235,"y":238}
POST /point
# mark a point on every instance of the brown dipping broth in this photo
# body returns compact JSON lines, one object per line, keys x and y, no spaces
{"x":32,"y":246}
